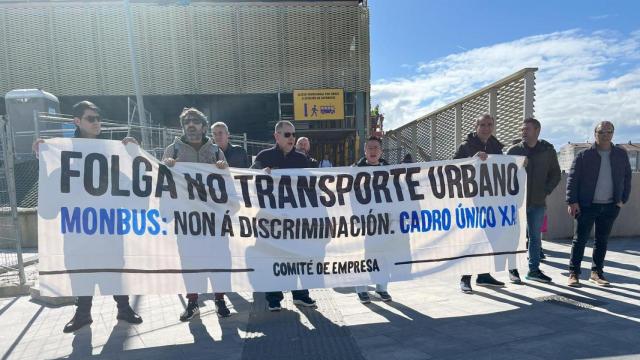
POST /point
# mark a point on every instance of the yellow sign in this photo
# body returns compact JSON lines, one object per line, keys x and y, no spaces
{"x":318,"y":104}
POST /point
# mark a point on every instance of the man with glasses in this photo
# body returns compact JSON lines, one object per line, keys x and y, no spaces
{"x":86,"y":117}
{"x":599,"y":184}
{"x":195,"y":146}
{"x":283,"y":156}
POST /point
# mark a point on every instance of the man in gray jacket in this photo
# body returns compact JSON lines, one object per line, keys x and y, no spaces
{"x":195,"y":146}
{"x":543,"y":175}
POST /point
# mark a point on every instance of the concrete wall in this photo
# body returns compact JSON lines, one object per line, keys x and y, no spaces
{"x":28,"y":221}
{"x":561,"y":224}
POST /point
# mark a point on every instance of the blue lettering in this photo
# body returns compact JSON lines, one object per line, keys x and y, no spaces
{"x":152,"y":217}
{"x":404,"y":228}
{"x":70,"y":224}
{"x":89,"y":223}
{"x":124,"y":221}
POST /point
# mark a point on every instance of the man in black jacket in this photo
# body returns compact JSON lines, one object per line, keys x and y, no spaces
{"x":236,"y":156}
{"x":480,"y":143}
{"x":87,"y":119}
{"x":283,"y":156}
{"x":543,"y":175}
{"x":303,"y":145}
{"x":598,"y":186}
{"x":372,"y":157}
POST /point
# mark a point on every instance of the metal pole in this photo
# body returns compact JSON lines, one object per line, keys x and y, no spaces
{"x":244,"y":141}
{"x":134,"y":70}
{"x":7,"y":144}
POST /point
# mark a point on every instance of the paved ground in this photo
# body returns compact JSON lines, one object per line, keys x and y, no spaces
{"x":426,"y":321}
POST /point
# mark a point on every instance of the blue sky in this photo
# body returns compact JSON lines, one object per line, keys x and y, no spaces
{"x":427,"y":53}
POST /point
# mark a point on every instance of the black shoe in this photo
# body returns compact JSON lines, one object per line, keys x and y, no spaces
{"x":305,"y":301}
{"x":78,"y":321}
{"x":221,"y":308}
{"x":274,"y":306}
{"x":364,"y":297}
{"x":514,"y":276}
{"x":127,"y":314}
{"x":465,"y":284}
{"x":488,"y":280}
{"x":190,"y":312}
{"x":538,"y":276}
{"x":384,"y":296}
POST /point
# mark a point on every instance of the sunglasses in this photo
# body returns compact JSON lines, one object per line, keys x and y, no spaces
{"x":603,"y":132}
{"x":288,"y":134}
{"x":196,"y":121}
{"x":92,"y":119}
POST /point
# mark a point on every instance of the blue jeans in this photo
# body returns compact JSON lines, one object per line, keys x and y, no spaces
{"x":379,"y":288}
{"x":603,"y":217}
{"x":535,"y":217}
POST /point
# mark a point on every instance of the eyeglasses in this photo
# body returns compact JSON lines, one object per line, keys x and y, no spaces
{"x":603,"y":132}
{"x":288,"y":134}
{"x":196,"y":121}
{"x":92,"y":118}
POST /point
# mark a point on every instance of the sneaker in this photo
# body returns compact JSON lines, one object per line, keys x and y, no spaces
{"x":384,"y":296}
{"x":77,"y":322}
{"x":573,"y":280}
{"x":364,"y":297}
{"x":274,"y":306}
{"x":598,"y":279}
{"x":305,"y":301}
{"x":465,"y":284}
{"x":538,"y":276}
{"x":221,"y":308}
{"x":514,"y":276}
{"x":190,"y":312}
{"x":488,"y":280}
{"x":127,"y":314}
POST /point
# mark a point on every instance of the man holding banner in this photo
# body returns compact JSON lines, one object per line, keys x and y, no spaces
{"x":372,"y":157}
{"x":195,"y":146}
{"x":283,"y":156}
{"x":86,"y":117}
{"x":480,"y":143}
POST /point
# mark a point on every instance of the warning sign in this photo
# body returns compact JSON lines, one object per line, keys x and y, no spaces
{"x":318,"y":104}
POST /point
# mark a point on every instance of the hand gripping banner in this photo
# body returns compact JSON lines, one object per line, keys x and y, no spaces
{"x":113,"y":220}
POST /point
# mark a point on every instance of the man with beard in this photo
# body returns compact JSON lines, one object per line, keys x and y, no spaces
{"x":195,"y":146}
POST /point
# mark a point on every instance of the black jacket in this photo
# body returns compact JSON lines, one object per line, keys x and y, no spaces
{"x":236,"y":156}
{"x":543,"y":170}
{"x":473,"y":144}
{"x":583,"y":176}
{"x":363,"y":162}
{"x":276,"y":159}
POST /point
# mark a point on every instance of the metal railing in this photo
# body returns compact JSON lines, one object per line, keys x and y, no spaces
{"x":437,"y":135}
{"x":11,"y":261}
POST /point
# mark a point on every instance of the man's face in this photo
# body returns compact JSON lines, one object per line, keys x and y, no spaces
{"x":286,"y":137}
{"x":373,"y":152}
{"x":193,"y":128}
{"x":604,"y":134}
{"x":220,"y":136}
{"x":303,"y":146}
{"x":529,"y":133}
{"x":484,"y":128}
{"x":89,"y":123}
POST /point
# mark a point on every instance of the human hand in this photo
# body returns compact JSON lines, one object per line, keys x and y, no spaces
{"x":170,"y":162}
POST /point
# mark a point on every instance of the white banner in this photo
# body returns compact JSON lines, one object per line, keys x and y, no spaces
{"x":113,"y":220}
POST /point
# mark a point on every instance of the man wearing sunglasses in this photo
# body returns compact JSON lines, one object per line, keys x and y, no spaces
{"x":283,"y":156}
{"x":86,"y":117}
{"x":599,"y":184}
{"x":195,"y":146}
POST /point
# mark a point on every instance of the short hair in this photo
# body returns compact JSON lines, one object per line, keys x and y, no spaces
{"x":484,"y":116}
{"x":220,"y":124}
{"x":193,"y":112}
{"x":79,"y":108}
{"x":374,"y":138}
{"x":602,"y":123}
{"x":302,"y":138}
{"x":536,"y":124}
{"x":282,"y":123}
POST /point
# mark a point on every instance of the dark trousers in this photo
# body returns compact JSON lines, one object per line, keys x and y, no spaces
{"x":193,"y":297}
{"x":277,"y":296}
{"x":603,"y":216}
{"x":84,"y":303}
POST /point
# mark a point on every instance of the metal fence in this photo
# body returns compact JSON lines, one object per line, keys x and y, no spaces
{"x":11,"y":261}
{"x":437,"y":135}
